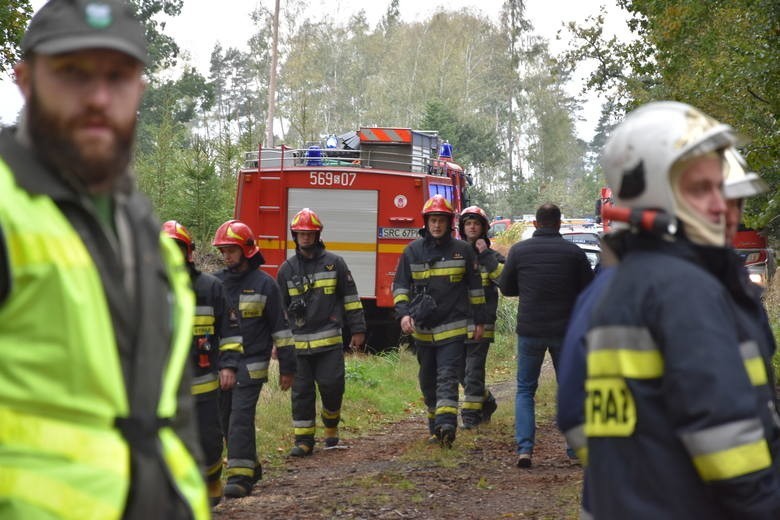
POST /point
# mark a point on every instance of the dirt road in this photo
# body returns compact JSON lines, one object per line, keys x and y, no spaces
{"x":395,"y":474}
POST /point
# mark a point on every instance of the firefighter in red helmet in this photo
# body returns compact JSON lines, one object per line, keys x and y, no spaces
{"x":215,"y":356}
{"x":438,"y":292}
{"x":264,"y":326}
{"x":478,"y":403}
{"x":321,"y":297}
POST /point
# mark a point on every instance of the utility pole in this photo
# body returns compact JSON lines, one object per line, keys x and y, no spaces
{"x":269,"y":123}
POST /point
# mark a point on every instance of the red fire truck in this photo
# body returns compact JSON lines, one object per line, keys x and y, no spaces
{"x":368,"y":187}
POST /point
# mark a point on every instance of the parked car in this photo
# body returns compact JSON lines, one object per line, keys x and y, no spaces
{"x":499,"y":226}
{"x":760,"y":262}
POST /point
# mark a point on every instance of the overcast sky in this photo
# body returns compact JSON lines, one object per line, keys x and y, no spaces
{"x":206,"y":22}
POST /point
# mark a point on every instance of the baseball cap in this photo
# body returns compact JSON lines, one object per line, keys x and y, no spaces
{"x":72,"y":25}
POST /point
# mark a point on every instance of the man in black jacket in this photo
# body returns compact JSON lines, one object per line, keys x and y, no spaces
{"x":547,"y":273}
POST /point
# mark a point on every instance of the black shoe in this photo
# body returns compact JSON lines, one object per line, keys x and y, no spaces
{"x":446,"y":435}
{"x":488,"y":409}
{"x":524,"y":460}
{"x":301,"y":450}
{"x":237,"y":489}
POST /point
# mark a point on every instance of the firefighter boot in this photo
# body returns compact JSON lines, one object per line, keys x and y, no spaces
{"x":238,"y":487}
{"x":331,"y":437}
{"x":489,"y":407}
{"x":301,"y":450}
{"x":446,"y":435}
{"x":215,"y":492}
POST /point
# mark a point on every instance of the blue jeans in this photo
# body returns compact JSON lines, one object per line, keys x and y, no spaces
{"x":530,"y":355}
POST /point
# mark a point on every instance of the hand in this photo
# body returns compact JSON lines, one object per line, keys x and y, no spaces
{"x":480,"y":244}
{"x":227,"y":378}
{"x":479,"y":331}
{"x":407,"y":324}
{"x":357,"y":341}
{"x":286,"y":381}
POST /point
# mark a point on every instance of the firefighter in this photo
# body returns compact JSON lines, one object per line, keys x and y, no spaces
{"x":479,"y":404}
{"x":321,"y":297}
{"x":437,"y":293}
{"x":673,"y":375}
{"x":95,"y":306}
{"x":263,"y":327}
{"x":215,"y":354}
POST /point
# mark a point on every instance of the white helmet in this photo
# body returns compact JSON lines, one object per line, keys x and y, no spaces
{"x":740,"y":183}
{"x":639,"y":155}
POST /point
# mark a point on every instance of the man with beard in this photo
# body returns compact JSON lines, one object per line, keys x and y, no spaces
{"x":263,"y":327}
{"x":437,"y":293}
{"x":321,"y":297}
{"x":95,"y":306}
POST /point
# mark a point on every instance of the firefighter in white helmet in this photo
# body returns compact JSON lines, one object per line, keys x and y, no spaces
{"x":675,"y":422}
{"x":478,"y":403}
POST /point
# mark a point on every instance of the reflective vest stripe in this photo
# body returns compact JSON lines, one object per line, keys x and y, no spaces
{"x":624,"y":352}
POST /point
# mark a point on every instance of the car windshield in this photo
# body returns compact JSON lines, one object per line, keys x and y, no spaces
{"x":582,"y":238}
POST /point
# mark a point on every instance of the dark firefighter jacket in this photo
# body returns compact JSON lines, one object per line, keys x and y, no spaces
{"x":96,"y":404}
{"x":446,"y":270}
{"x":321,"y":297}
{"x":263,"y":322}
{"x":216,"y":334}
{"x":547,"y":272}
{"x":673,"y":421}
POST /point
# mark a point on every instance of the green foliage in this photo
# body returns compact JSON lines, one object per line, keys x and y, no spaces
{"x":14,"y":16}
{"x":722,"y":56}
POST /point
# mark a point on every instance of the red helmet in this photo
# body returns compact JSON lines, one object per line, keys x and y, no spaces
{"x":438,"y":205}
{"x":178,"y":232}
{"x":305,"y":220}
{"x":474,"y":212}
{"x":236,"y":233}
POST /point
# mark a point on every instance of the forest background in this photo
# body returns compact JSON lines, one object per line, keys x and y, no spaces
{"x":493,"y":89}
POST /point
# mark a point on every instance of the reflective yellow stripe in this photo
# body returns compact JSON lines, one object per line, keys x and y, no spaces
{"x":186,"y":473}
{"x":326,"y":414}
{"x":328,"y":282}
{"x":634,"y":364}
{"x":754,"y":364}
{"x":203,"y":388}
{"x":478,"y":300}
{"x":214,"y":468}
{"x":733,"y":462}
{"x":61,"y":498}
{"x":231,"y":347}
{"x":439,"y":336}
{"x":305,"y":431}
{"x":472,"y":406}
{"x":244,"y":472}
{"x":354,"y":306}
{"x":446,"y":409}
{"x":582,"y":455}
{"x":401,"y":298}
{"x":318,"y":343}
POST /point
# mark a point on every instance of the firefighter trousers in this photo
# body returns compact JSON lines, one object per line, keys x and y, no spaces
{"x":210,"y":432}
{"x":326,"y":371}
{"x":440,"y":366}
{"x":473,"y":380}
{"x":242,"y":463}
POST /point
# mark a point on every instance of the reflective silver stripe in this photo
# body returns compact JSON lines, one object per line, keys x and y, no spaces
{"x":723,"y":437}
{"x":241,"y":463}
{"x":444,"y":327}
{"x":473,"y":398}
{"x":304,"y":424}
{"x":325,"y":275}
{"x":205,"y":378}
{"x":749,"y":350}
{"x":300,"y":338}
{"x":204,"y":310}
{"x":351,"y":298}
{"x":400,"y":290}
{"x":259,"y":365}
{"x":619,"y":337}
{"x":418,"y":268}
{"x":252,"y":298}
{"x":442,"y":403}
{"x":282,"y":334}
{"x":576,"y":438}
{"x":450,"y":263}
{"x":230,"y":339}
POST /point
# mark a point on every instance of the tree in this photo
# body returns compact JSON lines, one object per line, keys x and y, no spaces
{"x":14,"y":16}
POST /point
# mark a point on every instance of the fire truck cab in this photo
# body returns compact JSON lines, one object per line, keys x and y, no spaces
{"x":368,"y":187}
